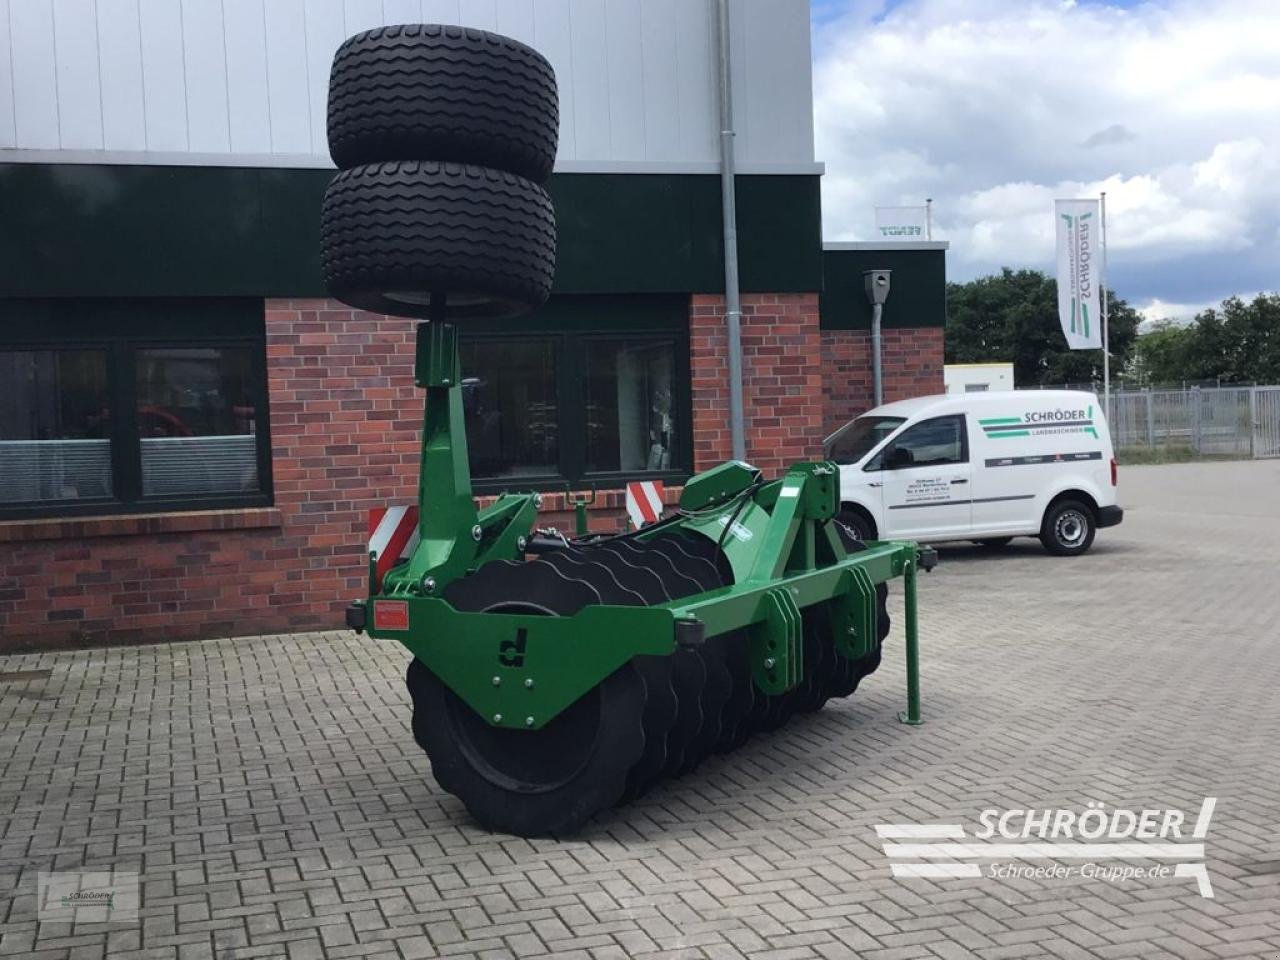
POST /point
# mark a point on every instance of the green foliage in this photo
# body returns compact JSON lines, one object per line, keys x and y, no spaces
{"x":1237,"y":342}
{"x":1013,"y":316}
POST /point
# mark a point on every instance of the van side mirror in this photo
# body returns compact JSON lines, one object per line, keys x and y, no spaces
{"x":898,"y":457}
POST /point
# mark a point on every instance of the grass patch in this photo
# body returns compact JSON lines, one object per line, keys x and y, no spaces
{"x":1133,"y":456}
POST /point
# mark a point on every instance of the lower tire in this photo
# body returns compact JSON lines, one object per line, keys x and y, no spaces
{"x":393,"y":236}
{"x":1068,"y":529}
{"x":857,"y":524}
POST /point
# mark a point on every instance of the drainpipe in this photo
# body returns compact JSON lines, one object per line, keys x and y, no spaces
{"x":876,"y":284}
{"x":729,"y":213}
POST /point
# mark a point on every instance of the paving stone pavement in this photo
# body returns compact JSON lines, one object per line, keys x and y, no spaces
{"x":270,"y":796}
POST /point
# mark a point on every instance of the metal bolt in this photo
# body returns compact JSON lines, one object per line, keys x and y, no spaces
{"x":521,"y":543}
{"x":429,"y":584}
{"x":445,"y":381}
{"x":853,"y":631}
{"x":497,"y":681}
{"x":769,"y":663}
{"x":497,"y":718}
{"x":528,"y":721}
{"x":476,"y":533}
{"x":537,"y":501}
{"x":528,"y":684}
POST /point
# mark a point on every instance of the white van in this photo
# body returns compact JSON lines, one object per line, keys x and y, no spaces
{"x":980,"y":466}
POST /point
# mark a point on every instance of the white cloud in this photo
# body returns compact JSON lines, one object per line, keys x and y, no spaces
{"x":996,"y":107}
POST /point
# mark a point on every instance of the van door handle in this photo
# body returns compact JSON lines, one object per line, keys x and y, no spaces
{"x":876,"y":484}
{"x":961,"y":480}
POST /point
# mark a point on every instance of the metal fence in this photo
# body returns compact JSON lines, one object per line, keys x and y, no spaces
{"x":1228,"y":421}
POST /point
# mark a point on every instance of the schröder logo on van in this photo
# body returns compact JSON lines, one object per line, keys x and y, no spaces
{"x":1041,"y":423}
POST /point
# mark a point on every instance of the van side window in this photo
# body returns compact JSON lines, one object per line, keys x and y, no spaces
{"x":929,"y":443}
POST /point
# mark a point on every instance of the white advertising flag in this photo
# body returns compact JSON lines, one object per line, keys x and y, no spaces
{"x":902,"y":223}
{"x":1079,"y":256}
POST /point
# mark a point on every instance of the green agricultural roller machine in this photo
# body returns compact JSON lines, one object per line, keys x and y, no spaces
{"x":553,"y":677}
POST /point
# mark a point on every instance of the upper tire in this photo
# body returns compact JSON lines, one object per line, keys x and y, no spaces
{"x":395,"y":235}
{"x":445,"y":93}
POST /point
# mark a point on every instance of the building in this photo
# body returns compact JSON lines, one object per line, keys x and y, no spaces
{"x":977,"y":377}
{"x":192,"y":435}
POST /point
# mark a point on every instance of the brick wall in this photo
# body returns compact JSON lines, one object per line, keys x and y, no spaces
{"x":911,"y":360}
{"x":782,"y":379}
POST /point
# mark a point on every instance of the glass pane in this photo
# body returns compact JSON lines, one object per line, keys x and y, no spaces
{"x":630,"y":417}
{"x":934,"y":441}
{"x":861,"y":437}
{"x":509,"y":403}
{"x":197,"y":420}
{"x":55,"y":436}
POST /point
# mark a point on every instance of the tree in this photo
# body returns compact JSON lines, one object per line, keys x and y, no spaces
{"x":1013,"y":316}
{"x":1237,"y":342}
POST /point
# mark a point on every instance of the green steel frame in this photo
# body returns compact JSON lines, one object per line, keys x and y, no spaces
{"x":520,"y":671}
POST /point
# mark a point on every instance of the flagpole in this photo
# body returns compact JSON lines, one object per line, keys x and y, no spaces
{"x":1106,"y":342}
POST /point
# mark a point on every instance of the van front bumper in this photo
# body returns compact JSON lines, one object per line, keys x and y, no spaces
{"x":1110,"y":516}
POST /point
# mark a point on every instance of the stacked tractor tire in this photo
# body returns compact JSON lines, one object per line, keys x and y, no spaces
{"x":442,"y":136}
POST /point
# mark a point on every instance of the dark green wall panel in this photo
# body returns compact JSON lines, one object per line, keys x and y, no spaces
{"x":917,"y":294}
{"x":153,"y":231}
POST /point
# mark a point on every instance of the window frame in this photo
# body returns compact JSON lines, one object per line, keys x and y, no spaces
{"x":122,"y":388}
{"x":570,"y":356}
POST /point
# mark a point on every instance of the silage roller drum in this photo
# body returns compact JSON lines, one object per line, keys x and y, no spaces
{"x":653,"y":718}
{"x":442,"y":137}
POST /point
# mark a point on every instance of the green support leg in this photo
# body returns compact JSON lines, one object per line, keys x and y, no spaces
{"x":912,"y":713}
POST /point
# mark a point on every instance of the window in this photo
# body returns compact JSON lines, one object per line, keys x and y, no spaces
{"x":630,"y":419}
{"x":105,"y":411}
{"x":571,"y":407}
{"x":54,"y":426}
{"x":929,"y":443}
{"x":509,"y":406}
{"x":861,"y":437}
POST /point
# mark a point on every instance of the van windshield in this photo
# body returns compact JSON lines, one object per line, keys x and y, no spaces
{"x":861,"y":437}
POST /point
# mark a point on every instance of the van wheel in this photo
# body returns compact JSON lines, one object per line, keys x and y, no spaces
{"x":994,"y":543}
{"x":858,"y":525}
{"x":1068,"y":528}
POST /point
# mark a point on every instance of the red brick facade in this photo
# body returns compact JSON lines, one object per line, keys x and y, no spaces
{"x":781,"y":374}
{"x":911,"y":364}
{"x":345,"y":422}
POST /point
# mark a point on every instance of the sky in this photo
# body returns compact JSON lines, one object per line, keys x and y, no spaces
{"x":994,"y":108}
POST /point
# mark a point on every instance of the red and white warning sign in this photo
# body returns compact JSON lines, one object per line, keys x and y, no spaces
{"x":393,"y":533}
{"x":644,"y":502}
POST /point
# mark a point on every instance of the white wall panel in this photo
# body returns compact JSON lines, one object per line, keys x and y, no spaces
{"x":124,"y":117}
{"x":515,"y":19}
{"x":697,"y":66}
{"x":478,"y":13}
{"x":204,"y":52}
{"x":75,"y":31}
{"x":661,"y":79}
{"x":8,"y":129}
{"x":287,"y":94}
{"x":626,"y":78}
{"x":248,"y":79}
{"x":551,"y":37}
{"x":361,"y":15}
{"x":35,"y":88}
{"x":440,"y":11}
{"x":325,"y":30}
{"x":248,"y":96}
{"x":164,"y":81}
{"x":590,"y":79}
{"x":402,"y":11}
